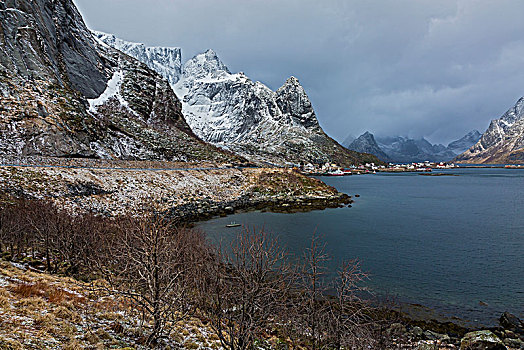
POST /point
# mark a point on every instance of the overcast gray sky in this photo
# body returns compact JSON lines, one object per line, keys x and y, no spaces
{"x":433,"y":68}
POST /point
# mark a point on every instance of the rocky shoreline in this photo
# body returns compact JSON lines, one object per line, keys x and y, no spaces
{"x":188,"y":194}
{"x":408,"y":333}
{"x":202,"y":210}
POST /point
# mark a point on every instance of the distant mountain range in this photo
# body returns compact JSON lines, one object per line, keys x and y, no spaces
{"x":233,"y":112}
{"x":503,"y":141}
{"x":403,"y":149}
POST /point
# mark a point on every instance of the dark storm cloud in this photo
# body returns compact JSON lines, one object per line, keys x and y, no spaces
{"x":406,"y":67}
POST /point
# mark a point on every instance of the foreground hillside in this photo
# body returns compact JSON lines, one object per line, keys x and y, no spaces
{"x":42,"y":311}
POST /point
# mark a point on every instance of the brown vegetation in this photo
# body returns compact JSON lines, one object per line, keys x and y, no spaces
{"x":247,"y":294}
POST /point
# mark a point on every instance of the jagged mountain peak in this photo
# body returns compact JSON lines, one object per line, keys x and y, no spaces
{"x":293,"y":101}
{"x":206,"y":64}
{"x":366,"y":143}
{"x":514,"y":113}
{"x":292,"y":81}
{"x":464,"y":143}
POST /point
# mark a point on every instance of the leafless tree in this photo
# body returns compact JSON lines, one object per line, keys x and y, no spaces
{"x":349,"y":323}
{"x":311,"y":306}
{"x":153,"y":263}
{"x":14,"y":227}
{"x":245,"y":288}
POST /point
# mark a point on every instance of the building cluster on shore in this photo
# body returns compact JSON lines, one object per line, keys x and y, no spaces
{"x":329,"y":169}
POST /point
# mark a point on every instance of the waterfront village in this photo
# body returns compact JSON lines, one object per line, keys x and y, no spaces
{"x":329,"y":169}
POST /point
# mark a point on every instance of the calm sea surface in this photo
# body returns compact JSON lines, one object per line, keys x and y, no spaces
{"x":453,"y":243}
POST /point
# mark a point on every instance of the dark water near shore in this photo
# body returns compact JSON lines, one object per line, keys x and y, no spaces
{"x":453,"y":243}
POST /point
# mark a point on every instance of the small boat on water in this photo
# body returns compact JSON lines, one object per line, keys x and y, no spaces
{"x":233,"y":224}
{"x":337,"y":172}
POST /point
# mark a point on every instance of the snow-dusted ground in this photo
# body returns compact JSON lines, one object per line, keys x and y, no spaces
{"x":122,"y":191}
{"x":81,"y":318}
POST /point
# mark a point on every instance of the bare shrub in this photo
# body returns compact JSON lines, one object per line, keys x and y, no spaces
{"x":328,"y":312}
{"x":244,"y":289}
{"x":154,"y":264}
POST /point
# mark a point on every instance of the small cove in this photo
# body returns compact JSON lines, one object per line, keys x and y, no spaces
{"x":452,"y":243}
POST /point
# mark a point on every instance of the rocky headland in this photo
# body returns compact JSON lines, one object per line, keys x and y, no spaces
{"x":189,"y":191}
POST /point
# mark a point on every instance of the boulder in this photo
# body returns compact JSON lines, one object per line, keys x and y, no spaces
{"x":417,"y":332}
{"x":514,"y":343}
{"x":396,"y":329}
{"x":426,"y":345}
{"x":436,"y":336}
{"x":481,"y":340}
{"x":511,"y":322}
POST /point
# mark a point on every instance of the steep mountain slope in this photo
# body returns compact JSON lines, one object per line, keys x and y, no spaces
{"x":347,"y":141}
{"x":64,"y":94}
{"x":366,"y":143}
{"x":247,"y":117}
{"x":503,"y":141}
{"x":464,"y":143}
{"x":235,"y":113}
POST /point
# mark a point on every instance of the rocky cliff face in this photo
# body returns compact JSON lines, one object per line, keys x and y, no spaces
{"x":63,"y":93}
{"x":235,"y":113}
{"x":165,"y":60}
{"x":503,"y":141}
{"x":366,"y":143}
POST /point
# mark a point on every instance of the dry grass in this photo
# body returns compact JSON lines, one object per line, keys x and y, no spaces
{"x":9,"y":344}
{"x":27,"y":290}
{"x":40,"y":311}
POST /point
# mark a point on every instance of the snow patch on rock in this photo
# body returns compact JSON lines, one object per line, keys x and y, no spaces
{"x":112,"y":90}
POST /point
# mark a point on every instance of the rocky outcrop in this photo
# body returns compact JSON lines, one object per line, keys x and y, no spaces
{"x":481,"y":340}
{"x":503,"y":141}
{"x":65,"y":94}
{"x":512,"y":323}
{"x":233,"y":112}
{"x":366,"y":143}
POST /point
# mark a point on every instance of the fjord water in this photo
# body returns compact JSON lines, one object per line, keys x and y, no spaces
{"x":452,"y":243}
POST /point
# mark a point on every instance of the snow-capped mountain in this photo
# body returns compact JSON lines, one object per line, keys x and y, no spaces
{"x":165,"y":60}
{"x":64,"y":93}
{"x":503,"y":141}
{"x":366,"y":143}
{"x":234,"y":112}
{"x":463,"y":144}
